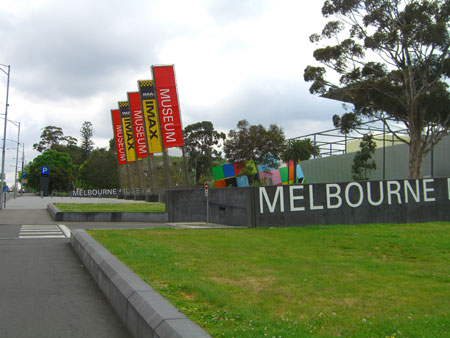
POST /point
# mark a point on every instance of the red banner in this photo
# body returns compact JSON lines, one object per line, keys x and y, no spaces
{"x":138,"y":124}
{"x":169,"y":111}
{"x":118,"y":136}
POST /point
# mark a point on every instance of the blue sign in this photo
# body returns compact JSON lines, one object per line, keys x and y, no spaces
{"x":45,"y":170}
{"x":24,"y":175}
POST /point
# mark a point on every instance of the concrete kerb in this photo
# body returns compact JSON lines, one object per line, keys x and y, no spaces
{"x":145,"y":312}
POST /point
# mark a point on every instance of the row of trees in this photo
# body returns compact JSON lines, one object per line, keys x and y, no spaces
{"x":74,"y":166}
{"x":246,"y":142}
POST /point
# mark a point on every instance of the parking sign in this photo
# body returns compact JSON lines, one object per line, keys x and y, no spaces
{"x":45,"y":170}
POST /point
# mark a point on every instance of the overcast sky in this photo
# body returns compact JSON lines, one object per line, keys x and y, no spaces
{"x":72,"y":60}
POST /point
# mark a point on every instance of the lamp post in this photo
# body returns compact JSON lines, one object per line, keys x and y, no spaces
{"x":17,"y":124}
{"x":4,"y":131}
{"x":17,"y":162}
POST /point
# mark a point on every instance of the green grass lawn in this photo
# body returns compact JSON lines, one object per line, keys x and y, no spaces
{"x":111,"y":207}
{"x":375,"y":280}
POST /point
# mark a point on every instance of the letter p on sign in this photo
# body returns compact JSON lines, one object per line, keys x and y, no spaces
{"x":45,"y":170}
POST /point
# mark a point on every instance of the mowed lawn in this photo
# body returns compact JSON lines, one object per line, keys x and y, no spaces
{"x":389,"y":280}
{"x":111,"y":207}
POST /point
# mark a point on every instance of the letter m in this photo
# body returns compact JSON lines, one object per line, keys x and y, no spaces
{"x":263,"y":196}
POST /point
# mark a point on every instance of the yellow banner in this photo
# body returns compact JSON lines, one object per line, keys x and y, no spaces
{"x":151,"y":118}
{"x":127,"y":127}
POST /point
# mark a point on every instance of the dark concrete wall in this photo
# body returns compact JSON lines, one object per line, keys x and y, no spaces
{"x":393,"y":201}
{"x":231,"y":206}
{"x":398,"y":204}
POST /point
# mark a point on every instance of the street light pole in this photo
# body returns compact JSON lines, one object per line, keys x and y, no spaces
{"x":4,"y":133}
{"x":17,"y":162}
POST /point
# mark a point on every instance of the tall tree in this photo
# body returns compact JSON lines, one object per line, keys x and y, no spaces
{"x":394,"y":63}
{"x":87,"y":132}
{"x":201,"y":142}
{"x":299,"y":150}
{"x":50,"y":136}
{"x":254,"y":142}
{"x":362,"y":162}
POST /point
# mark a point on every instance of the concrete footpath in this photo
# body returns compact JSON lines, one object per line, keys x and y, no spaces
{"x":47,"y":291}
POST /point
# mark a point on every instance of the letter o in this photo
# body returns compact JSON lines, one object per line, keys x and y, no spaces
{"x":347,"y":194}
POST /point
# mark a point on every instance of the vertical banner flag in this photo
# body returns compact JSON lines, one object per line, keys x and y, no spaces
{"x":148,"y":100}
{"x":169,"y":111}
{"x":138,"y":124}
{"x":127,"y":127}
{"x":118,"y":136}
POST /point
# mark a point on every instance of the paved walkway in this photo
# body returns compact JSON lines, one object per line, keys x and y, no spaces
{"x":45,"y":291}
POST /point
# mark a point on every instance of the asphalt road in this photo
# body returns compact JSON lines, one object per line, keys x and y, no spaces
{"x":45,"y":291}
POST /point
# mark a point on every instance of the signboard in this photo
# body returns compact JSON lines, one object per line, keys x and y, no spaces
{"x":24,"y":174}
{"x":206,"y":188}
{"x":138,"y":124}
{"x":118,"y":136}
{"x":127,"y":128}
{"x":148,"y":101}
{"x":45,"y":171}
{"x":169,"y":111}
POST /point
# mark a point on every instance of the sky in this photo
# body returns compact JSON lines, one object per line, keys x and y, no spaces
{"x":73,"y":60}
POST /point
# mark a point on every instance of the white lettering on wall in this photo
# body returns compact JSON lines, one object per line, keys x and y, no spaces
{"x":369,"y":195}
{"x":393,"y":191}
{"x":426,"y":190}
{"x":293,"y":198}
{"x":448,"y":183}
{"x":278,"y":195}
{"x":311,"y":200}
{"x":347,"y":194}
{"x":415,"y":194}
{"x":335,"y":195}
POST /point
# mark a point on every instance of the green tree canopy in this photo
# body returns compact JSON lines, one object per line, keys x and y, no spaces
{"x":393,"y":62}
{"x":201,"y":143}
{"x":51,"y":135}
{"x":99,"y":171}
{"x":61,"y":170}
{"x":254,"y":142}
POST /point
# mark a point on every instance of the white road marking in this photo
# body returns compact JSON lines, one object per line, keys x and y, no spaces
{"x":65,"y":229}
{"x":43,"y":231}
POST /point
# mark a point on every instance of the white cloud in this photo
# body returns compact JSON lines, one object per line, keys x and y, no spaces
{"x":71,"y":61}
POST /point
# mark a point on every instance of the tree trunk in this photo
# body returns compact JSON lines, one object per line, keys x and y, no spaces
{"x":415,"y":153}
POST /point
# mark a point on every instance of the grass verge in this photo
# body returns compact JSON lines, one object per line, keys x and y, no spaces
{"x":111,"y":207}
{"x":390,"y":280}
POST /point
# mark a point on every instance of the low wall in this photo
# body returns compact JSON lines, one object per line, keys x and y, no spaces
{"x":395,"y":201}
{"x":60,"y":216}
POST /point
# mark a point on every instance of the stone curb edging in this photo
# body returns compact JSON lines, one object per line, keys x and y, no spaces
{"x":144,"y":311}
{"x":60,"y":216}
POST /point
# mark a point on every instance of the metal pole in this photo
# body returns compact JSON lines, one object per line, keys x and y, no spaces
{"x":186,"y":172}
{"x":384,"y":150}
{"x":23,"y":167}
{"x":4,"y":136}
{"x":17,"y":163}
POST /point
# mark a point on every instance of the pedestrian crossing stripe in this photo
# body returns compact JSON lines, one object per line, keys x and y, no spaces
{"x":44,"y":231}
